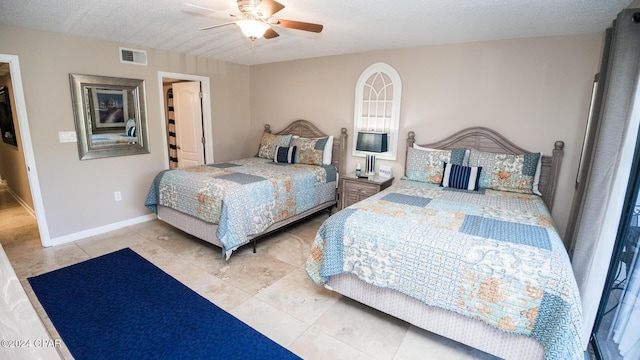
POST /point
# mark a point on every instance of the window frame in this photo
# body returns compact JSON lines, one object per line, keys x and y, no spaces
{"x":360,"y":122}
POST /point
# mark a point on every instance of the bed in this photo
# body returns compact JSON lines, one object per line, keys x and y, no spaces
{"x":234,"y":203}
{"x":109,"y":139}
{"x":113,"y":137}
{"x":486,"y":268}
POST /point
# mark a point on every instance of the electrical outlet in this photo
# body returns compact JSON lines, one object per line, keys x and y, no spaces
{"x":117,"y":195}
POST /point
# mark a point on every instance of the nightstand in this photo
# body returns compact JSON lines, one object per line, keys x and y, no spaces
{"x":355,"y":189}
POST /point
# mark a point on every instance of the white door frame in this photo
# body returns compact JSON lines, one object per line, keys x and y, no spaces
{"x":27,"y":146}
{"x":206,"y":112}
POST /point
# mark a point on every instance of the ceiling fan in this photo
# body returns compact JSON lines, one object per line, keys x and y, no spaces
{"x":256,"y":19}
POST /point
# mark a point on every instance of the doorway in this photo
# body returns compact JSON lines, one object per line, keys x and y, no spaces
{"x":186,"y":115}
{"x":26,"y":177}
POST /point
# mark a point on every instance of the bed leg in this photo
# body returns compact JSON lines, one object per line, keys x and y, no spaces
{"x":254,"y":246}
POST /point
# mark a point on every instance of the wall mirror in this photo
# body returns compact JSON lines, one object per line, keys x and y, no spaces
{"x":110,"y":116}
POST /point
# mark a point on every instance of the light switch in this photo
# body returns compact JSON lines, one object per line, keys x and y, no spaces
{"x":67,"y":136}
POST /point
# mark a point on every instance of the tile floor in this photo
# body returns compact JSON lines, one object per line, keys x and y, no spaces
{"x":268,"y":290}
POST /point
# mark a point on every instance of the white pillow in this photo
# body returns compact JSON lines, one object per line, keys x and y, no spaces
{"x":328,"y":151}
{"x":536,"y":177}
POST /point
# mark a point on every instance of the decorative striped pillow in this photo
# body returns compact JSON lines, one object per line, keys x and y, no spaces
{"x":285,"y":155}
{"x":461,"y":177}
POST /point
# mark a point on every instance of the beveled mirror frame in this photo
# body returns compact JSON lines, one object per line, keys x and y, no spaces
{"x":83,"y":95}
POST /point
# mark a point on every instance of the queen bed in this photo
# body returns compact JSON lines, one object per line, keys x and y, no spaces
{"x":230,"y":204}
{"x":477,"y":260}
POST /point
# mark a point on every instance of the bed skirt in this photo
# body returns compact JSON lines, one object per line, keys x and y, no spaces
{"x":207,"y":231}
{"x":459,"y":328}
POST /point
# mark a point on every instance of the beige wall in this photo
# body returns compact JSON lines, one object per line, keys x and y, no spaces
{"x":13,"y":168}
{"x":534,"y":91}
{"x":78,"y":195}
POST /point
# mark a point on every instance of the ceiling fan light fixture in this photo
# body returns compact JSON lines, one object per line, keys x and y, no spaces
{"x":253,"y":29}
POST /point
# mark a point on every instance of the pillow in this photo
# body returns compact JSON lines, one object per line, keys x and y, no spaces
{"x":506,"y":172}
{"x":310,"y":151}
{"x":461,"y":177}
{"x":465,"y":159}
{"x":131,"y":127}
{"x":285,"y":155}
{"x":425,"y":165}
{"x":328,"y":151}
{"x":327,"y":156}
{"x":269,"y":142}
{"x":536,"y":178}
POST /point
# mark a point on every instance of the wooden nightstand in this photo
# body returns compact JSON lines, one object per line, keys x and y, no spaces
{"x":355,"y":189}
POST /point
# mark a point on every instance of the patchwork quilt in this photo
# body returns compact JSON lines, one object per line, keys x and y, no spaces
{"x":243,"y":197}
{"x":490,"y":255}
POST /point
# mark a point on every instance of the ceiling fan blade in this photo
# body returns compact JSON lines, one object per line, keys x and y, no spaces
{"x":199,"y":7}
{"x":217,"y":26}
{"x":270,"y":34}
{"x":298,"y":25}
{"x":205,"y":11}
{"x":268,"y":7}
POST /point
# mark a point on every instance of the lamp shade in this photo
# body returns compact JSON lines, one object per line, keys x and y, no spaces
{"x":370,"y":141}
{"x":253,"y":29}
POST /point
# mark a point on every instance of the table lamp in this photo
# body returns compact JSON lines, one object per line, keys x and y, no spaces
{"x":371,"y":142}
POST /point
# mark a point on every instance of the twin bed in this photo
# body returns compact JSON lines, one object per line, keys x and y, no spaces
{"x":484,"y":267}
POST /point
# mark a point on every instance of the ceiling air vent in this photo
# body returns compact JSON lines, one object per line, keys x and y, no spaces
{"x":132,"y":56}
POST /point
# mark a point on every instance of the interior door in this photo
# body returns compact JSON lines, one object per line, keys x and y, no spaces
{"x":188,"y":117}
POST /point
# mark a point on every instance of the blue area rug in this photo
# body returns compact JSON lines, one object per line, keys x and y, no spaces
{"x":120,"y":306}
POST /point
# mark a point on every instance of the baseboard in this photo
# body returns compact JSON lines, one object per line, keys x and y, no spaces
{"x":99,"y":230}
{"x":21,"y":202}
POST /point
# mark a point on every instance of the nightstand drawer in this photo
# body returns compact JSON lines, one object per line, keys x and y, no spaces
{"x":361,"y":188}
{"x":354,"y":189}
{"x":350,"y":199}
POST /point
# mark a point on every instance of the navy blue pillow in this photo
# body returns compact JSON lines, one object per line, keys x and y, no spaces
{"x":461,"y":177}
{"x":285,"y":154}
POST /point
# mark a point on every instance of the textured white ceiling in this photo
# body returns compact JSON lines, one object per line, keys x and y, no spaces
{"x":350,"y":26}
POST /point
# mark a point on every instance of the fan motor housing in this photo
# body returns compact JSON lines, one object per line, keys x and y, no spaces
{"x":247,"y":6}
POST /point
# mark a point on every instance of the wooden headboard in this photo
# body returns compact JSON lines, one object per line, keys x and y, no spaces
{"x":484,"y":139}
{"x":306,"y":129}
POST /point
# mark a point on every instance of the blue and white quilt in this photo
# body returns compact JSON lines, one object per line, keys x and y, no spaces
{"x":491,"y":255}
{"x":243,"y":197}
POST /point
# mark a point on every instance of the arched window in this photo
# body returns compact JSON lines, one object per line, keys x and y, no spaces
{"x":377,"y":106}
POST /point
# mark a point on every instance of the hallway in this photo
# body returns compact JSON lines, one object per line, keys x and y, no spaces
{"x":18,"y":228}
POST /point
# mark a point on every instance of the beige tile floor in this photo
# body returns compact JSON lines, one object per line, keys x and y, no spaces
{"x":268,"y":290}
